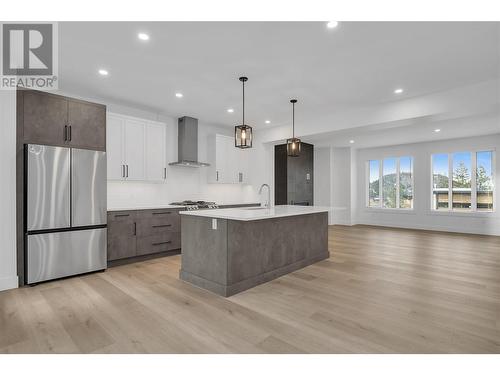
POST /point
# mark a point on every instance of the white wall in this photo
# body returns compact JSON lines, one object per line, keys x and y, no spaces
{"x":341,"y":185}
{"x":8,"y":274}
{"x":322,"y":179}
{"x":422,"y":217}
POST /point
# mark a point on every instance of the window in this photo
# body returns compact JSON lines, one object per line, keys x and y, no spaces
{"x":471,"y":186}
{"x":374,"y":184}
{"x":461,"y":192}
{"x":440,"y":182}
{"x":390,"y":183}
{"x":389,"y":190}
{"x":406,"y":182}
{"x":484,"y":181}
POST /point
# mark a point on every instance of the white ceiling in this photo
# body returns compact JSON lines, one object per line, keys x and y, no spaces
{"x":358,"y":64}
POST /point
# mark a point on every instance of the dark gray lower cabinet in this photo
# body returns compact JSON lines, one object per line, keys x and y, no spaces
{"x":142,"y":232}
{"x":121,"y":235}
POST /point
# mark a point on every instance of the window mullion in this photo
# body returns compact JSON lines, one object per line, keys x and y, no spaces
{"x":397,"y":183}
{"x":450,"y":182}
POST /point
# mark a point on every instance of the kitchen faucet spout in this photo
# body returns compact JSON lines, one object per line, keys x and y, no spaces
{"x":268,"y":203}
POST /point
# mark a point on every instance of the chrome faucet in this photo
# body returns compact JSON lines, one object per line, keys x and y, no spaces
{"x":268,"y":203}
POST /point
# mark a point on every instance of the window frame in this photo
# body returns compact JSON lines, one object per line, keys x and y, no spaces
{"x":473,"y":210}
{"x":381,"y":182}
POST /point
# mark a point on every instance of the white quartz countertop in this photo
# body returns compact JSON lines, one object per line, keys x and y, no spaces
{"x":257,"y":213}
{"x":155,"y":207}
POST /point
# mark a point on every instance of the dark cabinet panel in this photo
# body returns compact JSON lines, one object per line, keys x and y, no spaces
{"x":61,"y":121}
{"x":87,"y":122}
{"x":45,"y":118}
{"x":121,"y":235}
{"x":293,"y":176}
{"x":280,"y":175}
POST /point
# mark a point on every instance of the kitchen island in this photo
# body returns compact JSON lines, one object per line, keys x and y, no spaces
{"x":227,"y":251}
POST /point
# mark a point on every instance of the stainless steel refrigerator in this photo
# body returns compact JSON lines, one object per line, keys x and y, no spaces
{"x":65,"y":196}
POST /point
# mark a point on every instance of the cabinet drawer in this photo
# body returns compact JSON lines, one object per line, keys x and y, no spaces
{"x":121,"y":216}
{"x":157,"y":225}
{"x":149,"y":214}
{"x":158,"y":243}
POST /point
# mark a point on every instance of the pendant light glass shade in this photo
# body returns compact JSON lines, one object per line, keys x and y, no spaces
{"x":243,"y":133}
{"x":293,"y":144}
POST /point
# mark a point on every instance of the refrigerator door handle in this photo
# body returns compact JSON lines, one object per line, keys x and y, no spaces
{"x":127,"y":170}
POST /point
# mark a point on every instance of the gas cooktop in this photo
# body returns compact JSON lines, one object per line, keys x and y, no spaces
{"x":196,"y":205}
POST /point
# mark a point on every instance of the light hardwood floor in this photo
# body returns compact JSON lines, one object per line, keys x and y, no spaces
{"x":382,"y":291}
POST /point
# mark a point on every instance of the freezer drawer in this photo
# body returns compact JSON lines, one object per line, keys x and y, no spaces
{"x":48,"y":187}
{"x":61,"y":254}
{"x":88,"y":183}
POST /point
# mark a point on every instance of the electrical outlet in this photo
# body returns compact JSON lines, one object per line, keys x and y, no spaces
{"x":214,"y":224}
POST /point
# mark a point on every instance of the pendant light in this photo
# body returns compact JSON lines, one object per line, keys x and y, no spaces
{"x":293,"y":144}
{"x":243,"y":132}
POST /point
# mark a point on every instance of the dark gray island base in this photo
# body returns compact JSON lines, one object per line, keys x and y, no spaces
{"x":240,"y":254}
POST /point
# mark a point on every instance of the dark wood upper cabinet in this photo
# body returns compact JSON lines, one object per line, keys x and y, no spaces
{"x":87,"y":123}
{"x":45,"y":118}
{"x":56,"y":120}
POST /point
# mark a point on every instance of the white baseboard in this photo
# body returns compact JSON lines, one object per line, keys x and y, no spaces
{"x":440,"y":228}
{"x":9,"y":283}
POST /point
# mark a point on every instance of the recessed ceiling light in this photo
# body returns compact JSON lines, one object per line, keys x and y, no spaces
{"x":143,"y":36}
{"x":437,"y":130}
{"x":267,"y":121}
{"x":332,"y":24}
{"x":351,"y":141}
{"x":398,"y":91}
{"x":230,"y":110}
{"x":179,"y":94}
{"x":103,"y":72}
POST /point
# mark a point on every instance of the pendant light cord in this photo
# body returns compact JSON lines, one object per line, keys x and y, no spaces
{"x":293,"y":120}
{"x":243,"y":103}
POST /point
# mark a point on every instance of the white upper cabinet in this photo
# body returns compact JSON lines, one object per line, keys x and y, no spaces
{"x":136,"y":149}
{"x":228,"y":164}
{"x":135,"y":156}
{"x":114,"y":147}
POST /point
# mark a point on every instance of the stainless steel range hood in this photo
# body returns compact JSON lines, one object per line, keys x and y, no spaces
{"x":188,"y":143}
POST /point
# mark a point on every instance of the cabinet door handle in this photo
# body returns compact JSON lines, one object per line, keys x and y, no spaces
{"x":161,"y":225}
{"x":161,"y":243}
{"x":135,"y":229}
{"x":162,"y":213}
{"x":217,"y":176}
{"x":121,"y":215}
{"x":123,"y":170}
{"x":165,"y":173}
{"x":240,"y":177}
{"x":127,"y":170}
{"x":65,"y":133}
{"x":70,"y":133}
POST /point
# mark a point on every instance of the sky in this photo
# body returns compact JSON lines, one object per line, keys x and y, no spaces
{"x":405,"y":165}
{"x":440,"y":161}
